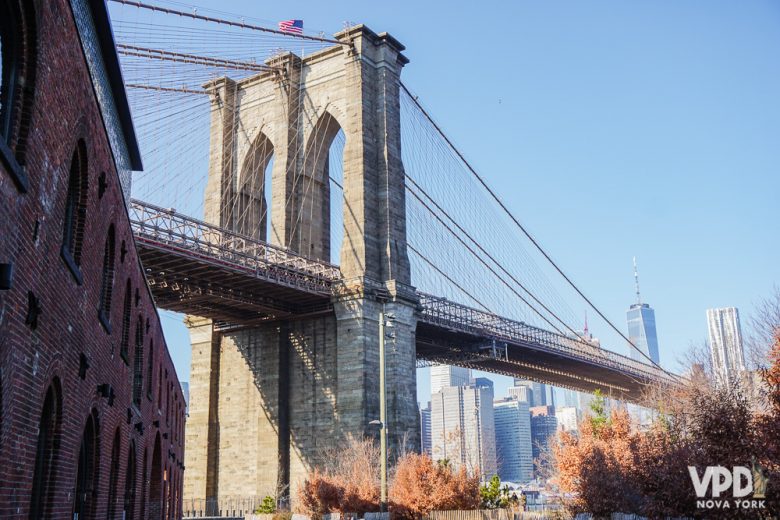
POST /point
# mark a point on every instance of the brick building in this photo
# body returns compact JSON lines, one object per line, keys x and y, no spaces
{"x":91,"y":410}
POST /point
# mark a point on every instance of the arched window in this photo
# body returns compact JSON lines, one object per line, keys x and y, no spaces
{"x":138,"y":362}
{"x":130,"y":484}
{"x":113,"y":478}
{"x":75,"y":210}
{"x":126,"y":310}
{"x":9,"y":43}
{"x":86,"y":472}
{"x":17,"y":83}
{"x":149,"y":370}
{"x":156,"y":487}
{"x":46,"y":454}
{"x":107,"y":282}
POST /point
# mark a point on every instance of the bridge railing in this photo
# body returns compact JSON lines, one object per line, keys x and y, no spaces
{"x":166,"y":227}
{"x":440,"y":311}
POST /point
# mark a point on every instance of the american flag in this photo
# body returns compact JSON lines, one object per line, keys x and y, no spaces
{"x":291,"y":26}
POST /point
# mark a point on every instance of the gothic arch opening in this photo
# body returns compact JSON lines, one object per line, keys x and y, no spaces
{"x":113,"y":477}
{"x":251,"y":205}
{"x":46,"y":453}
{"x":318,"y":221}
{"x":156,"y":483}
{"x":86,"y":471}
{"x":129,"y":499}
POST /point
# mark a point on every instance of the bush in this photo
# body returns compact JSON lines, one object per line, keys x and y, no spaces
{"x":610,"y":468}
{"x":421,"y":486}
{"x":268,"y":506}
{"x":348,"y":484}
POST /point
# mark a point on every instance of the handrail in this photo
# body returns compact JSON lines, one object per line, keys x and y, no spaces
{"x":166,"y":227}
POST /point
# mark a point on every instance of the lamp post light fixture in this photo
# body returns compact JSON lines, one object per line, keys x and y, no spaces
{"x":385,"y":321}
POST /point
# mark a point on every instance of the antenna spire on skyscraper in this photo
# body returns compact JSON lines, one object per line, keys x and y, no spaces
{"x":636,"y":282}
{"x":586,"y":323}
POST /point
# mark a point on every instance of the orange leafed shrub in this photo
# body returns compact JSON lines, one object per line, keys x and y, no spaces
{"x":320,"y":495}
{"x":609,"y":467}
{"x":421,"y":485}
{"x":349,"y":483}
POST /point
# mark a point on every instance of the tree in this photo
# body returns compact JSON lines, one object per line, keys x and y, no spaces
{"x":767,"y":426}
{"x":268,"y":505}
{"x":763,"y":326}
{"x":348,"y":483}
{"x":422,"y":485}
{"x":598,"y":407}
{"x":492,"y":495}
{"x":611,"y":467}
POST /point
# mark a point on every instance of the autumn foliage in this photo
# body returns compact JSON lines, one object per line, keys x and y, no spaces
{"x":421,"y":485}
{"x":349,"y":483}
{"x":611,"y":467}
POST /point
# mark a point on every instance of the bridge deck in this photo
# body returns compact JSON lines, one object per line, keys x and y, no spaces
{"x":198,"y":268}
{"x":455,"y":334}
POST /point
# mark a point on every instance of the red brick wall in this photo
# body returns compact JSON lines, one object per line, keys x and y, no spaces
{"x":31,"y":233}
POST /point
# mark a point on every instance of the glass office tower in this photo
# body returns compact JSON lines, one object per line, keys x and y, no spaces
{"x":641,"y":332}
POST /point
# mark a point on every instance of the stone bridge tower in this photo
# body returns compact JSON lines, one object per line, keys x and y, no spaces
{"x":268,"y":402}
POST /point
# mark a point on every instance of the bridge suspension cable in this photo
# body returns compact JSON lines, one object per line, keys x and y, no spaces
{"x":517,"y":223}
{"x":240,"y":25}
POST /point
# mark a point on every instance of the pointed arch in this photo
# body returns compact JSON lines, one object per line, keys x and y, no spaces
{"x":144,"y":482}
{"x":250,"y":209}
{"x":311,"y":221}
{"x":138,"y":362}
{"x":18,"y":60}
{"x":75,"y":210}
{"x":156,"y":483}
{"x":85,"y":497}
{"x":107,"y":279}
{"x":130,"y":476}
{"x":124,"y":342}
{"x":113,"y":477}
{"x":47,"y":453}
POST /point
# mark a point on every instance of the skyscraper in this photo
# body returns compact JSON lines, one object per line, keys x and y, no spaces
{"x":568,"y":419}
{"x":542,"y":395}
{"x":513,"y":440}
{"x":641,"y":327}
{"x":522,"y":393}
{"x":728,"y":357}
{"x":446,"y":375}
{"x":463,"y":428}
{"x":544,"y":426}
{"x":425,"y":429}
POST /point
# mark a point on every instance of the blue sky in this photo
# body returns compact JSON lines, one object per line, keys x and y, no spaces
{"x":613,"y":129}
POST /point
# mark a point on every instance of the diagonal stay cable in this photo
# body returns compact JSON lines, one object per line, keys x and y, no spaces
{"x":241,"y":25}
{"x":491,"y":257}
{"x":482,"y":261}
{"x":522,"y":228}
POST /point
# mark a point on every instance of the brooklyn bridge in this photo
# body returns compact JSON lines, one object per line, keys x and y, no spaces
{"x":295,"y":189}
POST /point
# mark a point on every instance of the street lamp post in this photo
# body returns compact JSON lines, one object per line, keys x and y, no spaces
{"x":385,"y":320}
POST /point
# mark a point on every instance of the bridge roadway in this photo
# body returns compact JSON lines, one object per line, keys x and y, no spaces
{"x":198,"y":268}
